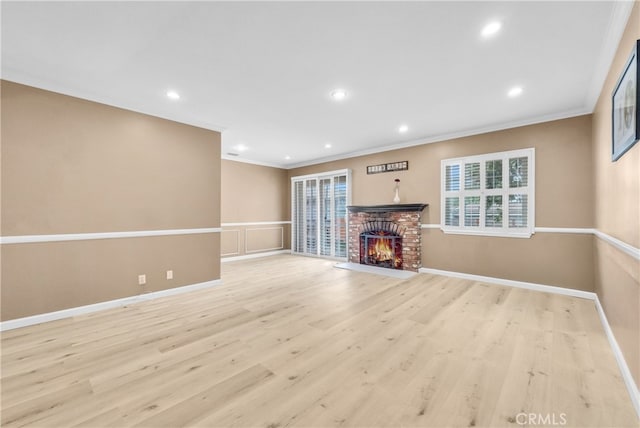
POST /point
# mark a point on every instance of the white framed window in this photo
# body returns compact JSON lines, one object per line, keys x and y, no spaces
{"x":491,"y":194}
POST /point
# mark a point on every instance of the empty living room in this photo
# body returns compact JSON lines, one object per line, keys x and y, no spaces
{"x":320,"y":214}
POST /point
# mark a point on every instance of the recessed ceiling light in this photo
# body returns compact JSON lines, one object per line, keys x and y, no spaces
{"x":515,"y":91}
{"x":338,"y":94}
{"x":491,"y":28}
{"x":173,"y":95}
{"x":287,"y":157}
{"x":327,"y":146}
{"x":403,"y":128}
{"x":241,"y":147}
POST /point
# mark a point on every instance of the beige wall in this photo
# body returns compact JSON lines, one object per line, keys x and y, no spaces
{"x":45,"y":277}
{"x":74,"y":166}
{"x":253,"y":194}
{"x":617,"y":213}
{"x":545,"y":258}
{"x":564,"y":198}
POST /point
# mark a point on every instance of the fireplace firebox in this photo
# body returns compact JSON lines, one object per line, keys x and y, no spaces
{"x":381,"y":244}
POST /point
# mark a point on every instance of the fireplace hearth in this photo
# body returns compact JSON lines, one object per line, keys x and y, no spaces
{"x":387,"y":236}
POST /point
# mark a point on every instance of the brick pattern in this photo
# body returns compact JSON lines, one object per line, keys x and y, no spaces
{"x":411,"y":236}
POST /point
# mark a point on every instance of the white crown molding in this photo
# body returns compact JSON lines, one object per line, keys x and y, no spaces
{"x":80,"y":310}
{"x":38,"y":83}
{"x":444,"y":137}
{"x":252,"y":162}
{"x":46,"y":85}
{"x":615,"y":29}
{"x":27,"y":239}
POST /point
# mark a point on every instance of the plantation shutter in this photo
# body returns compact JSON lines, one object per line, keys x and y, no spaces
{"x":340,"y":215}
{"x":489,"y":194}
{"x":319,"y":214}
{"x":311,"y":217}
{"x":326,"y":216}
{"x":297,"y":217}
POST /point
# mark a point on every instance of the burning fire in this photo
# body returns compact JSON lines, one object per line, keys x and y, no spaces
{"x":382,"y":251}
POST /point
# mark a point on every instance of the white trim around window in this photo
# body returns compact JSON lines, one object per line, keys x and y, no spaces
{"x":491,"y":194}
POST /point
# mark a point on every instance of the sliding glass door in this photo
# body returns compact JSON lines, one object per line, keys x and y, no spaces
{"x":319,"y":214}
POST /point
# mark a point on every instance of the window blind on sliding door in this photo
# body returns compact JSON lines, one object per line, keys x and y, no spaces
{"x":325,"y":218}
{"x":297,"y":217}
{"x":340,"y":215}
{"x":311,"y":217}
{"x":319,"y":214}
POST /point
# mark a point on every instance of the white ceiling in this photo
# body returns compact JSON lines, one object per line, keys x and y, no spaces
{"x":262,"y":72}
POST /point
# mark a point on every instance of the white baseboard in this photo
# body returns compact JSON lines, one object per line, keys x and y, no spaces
{"x":629,"y":382}
{"x":511,"y":283}
{"x":254,"y":256}
{"x":634,"y":393}
{"x":72,"y":312}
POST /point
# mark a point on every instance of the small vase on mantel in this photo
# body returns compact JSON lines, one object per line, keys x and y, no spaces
{"x":396,"y":198}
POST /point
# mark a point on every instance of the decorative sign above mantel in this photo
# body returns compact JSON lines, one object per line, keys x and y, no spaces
{"x":388,"y":167}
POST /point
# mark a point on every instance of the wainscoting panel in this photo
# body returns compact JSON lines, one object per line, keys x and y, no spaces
{"x":264,"y":239}
{"x":230,"y":242}
{"x":252,"y":238}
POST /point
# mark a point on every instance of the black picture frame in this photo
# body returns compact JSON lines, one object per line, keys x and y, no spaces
{"x":625,"y":119}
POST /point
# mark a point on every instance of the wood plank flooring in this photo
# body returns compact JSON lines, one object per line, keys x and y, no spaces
{"x":292,"y":341}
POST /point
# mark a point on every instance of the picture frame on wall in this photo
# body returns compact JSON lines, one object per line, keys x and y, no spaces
{"x":624,"y":101}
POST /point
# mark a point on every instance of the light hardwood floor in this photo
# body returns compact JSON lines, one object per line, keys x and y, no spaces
{"x":293,"y":341}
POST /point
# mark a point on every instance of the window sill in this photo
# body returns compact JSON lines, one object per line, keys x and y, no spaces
{"x":498,"y":233}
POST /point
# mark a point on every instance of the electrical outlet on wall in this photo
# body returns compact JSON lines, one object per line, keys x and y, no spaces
{"x":169,"y":274}
{"x":142,"y":279}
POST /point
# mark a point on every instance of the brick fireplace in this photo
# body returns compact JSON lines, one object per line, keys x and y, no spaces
{"x":386,"y":236}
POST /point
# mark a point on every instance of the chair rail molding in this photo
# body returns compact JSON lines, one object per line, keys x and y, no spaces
{"x":27,"y":239}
